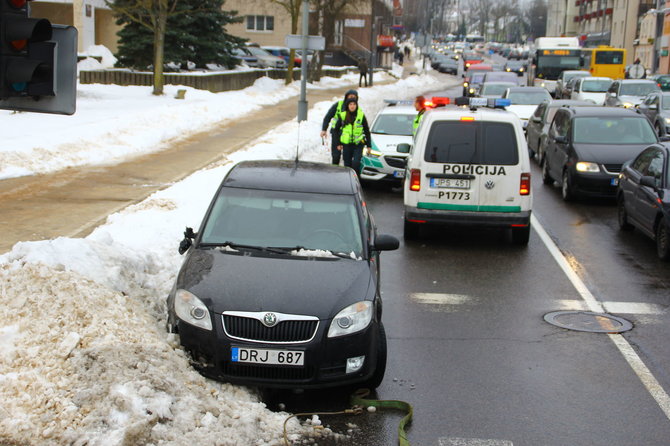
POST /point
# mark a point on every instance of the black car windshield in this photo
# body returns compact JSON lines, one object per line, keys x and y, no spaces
{"x":639,"y":89}
{"x":495,"y":89}
{"x":284,"y":219}
{"x":392,"y":124}
{"x":595,"y":85}
{"x":528,"y":97}
{"x":613,"y":130}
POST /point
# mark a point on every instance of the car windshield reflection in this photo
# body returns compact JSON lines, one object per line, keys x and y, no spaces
{"x":593,"y":130}
{"x":273,"y":219}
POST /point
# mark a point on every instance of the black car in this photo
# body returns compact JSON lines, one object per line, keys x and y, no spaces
{"x":280,"y":286}
{"x":515,"y":66}
{"x":643,"y":196}
{"x":586,"y":147}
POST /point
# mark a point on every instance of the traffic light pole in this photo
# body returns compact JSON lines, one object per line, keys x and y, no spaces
{"x":302,"y":104}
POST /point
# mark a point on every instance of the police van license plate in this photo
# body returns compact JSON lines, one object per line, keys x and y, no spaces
{"x":267,"y":356}
{"x":450,"y":183}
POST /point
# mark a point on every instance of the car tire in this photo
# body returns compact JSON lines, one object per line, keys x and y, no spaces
{"x":546,"y":176}
{"x":567,"y":190}
{"x":659,"y":130}
{"x":380,"y":368}
{"x":663,"y":240}
{"x":411,"y":230}
{"x":622,"y":215}
{"x":520,"y":236}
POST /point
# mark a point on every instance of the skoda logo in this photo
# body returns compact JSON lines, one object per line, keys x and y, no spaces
{"x":489,"y":184}
{"x":270,"y":319}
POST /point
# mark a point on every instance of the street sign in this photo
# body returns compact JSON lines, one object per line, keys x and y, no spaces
{"x":316,"y":43}
{"x":636,"y":71}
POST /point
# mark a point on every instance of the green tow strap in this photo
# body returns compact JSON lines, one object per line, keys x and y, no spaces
{"x":358,"y":399}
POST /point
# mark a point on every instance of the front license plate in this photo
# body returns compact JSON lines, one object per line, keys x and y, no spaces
{"x":399,"y":174}
{"x":267,"y":356}
{"x":614,"y":182}
{"x":450,"y":183}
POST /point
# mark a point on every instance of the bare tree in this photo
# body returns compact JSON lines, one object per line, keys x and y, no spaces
{"x":292,"y":8}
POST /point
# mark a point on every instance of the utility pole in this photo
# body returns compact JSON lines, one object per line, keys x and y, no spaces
{"x":302,"y":104}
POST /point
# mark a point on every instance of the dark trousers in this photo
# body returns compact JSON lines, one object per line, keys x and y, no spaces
{"x":334,"y":153}
{"x":363,"y":77}
{"x":352,"y":154}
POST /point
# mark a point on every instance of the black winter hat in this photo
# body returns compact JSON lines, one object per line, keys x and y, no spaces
{"x":348,"y":101}
{"x":354,"y":92}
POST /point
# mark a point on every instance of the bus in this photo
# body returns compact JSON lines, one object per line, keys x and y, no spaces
{"x":552,"y":56}
{"x":605,"y":61}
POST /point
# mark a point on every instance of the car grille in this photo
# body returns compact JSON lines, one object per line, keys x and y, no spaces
{"x":253,"y":330}
{"x":395,"y":161}
{"x":266,"y":372}
{"x":612,"y":168}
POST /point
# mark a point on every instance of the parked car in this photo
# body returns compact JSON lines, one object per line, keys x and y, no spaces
{"x":265,"y":59}
{"x":525,"y":100}
{"x":448,"y":65}
{"x":471,"y":59}
{"x":539,"y":122}
{"x":563,"y":79}
{"x":494,"y":89}
{"x":662,"y":80}
{"x":643,"y":196}
{"x":392,"y":125}
{"x":243,"y":55}
{"x":656,"y":107}
{"x":283,"y":52}
{"x":280,"y":286}
{"x":586,"y":147}
{"x":628,"y":93}
{"x":591,"y":89}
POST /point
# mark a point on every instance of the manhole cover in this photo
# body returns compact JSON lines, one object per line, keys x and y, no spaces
{"x":588,"y":321}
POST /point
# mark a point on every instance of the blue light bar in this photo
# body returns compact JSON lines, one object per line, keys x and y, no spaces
{"x":500,"y":102}
{"x":483,"y":102}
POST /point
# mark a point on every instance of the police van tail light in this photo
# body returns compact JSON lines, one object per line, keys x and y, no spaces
{"x":524,"y":187}
{"x":415,"y":180}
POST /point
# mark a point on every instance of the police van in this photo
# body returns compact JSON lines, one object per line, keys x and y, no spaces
{"x":469,"y":165}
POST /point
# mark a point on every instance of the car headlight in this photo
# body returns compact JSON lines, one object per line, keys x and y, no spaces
{"x":465,"y":84}
{"x":352,"y":319}
{"x":376,"y":153}
{"x":521,"y":69}
{"x":190,"y":309}
{"x":627,"y":105}
{"x":667,"y":121}
{"x":508,"y":69}
{"x":467,"y":65}
{"x":584,"y":166}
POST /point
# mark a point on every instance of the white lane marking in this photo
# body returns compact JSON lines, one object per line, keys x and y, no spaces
{"x":444,"y":441}
{"x":648,"y":380}
{"x":615,"y":307}
{"x":441,"y":298}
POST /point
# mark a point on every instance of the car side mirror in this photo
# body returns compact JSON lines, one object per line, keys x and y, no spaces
{"x":403,"y":147}
{"x":653,"y":107}
{"x":385,"y":242}
{"x":648,"y":181}
{"x":187,"y":242}
{"x":537,"y":119}
{"x":561,"y":139}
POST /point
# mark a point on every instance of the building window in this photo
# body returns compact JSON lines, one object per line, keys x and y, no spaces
{"x":260,"y":23}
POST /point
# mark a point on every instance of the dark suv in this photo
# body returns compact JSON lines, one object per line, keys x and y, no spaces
{"x":280,"y":286}
{"x":586,"y":147}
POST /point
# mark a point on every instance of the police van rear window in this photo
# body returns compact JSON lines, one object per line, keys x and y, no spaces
{"x":472,"y":142}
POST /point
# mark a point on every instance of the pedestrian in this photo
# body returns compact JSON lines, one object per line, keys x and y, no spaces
{"x":331,"y":119}
{"x":407,"y":51}
{"x":363,"y":70}
{"x":401,"y":58}
{"x":353,"y":134}
{"x":420,"y":107}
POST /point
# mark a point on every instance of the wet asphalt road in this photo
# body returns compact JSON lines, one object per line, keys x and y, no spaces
{"x":470,"y":350}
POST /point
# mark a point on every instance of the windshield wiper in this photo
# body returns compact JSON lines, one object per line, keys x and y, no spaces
{"x":298,"y":248}
{"x":241,"y":246}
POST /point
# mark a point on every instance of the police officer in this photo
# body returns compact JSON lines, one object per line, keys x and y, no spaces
{"x":331,"y":118}
{"x":420,"y":107}
{"x":353,"y":134}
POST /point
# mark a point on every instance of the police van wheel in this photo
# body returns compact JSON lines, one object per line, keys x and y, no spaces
{"x":520,"y":236}
{"x":411,"y":230}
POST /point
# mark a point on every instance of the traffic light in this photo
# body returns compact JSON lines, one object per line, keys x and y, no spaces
{"x":37,"y":62}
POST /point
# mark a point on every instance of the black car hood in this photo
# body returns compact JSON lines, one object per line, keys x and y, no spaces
{"x":287,"y":284}
{"x":608,"y":153}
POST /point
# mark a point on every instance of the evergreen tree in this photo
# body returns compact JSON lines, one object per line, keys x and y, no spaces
{"x":195,"y":33}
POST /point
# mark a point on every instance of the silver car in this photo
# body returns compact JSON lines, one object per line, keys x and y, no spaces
{"x":265,"y":59}
{"x":629,"y":93}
